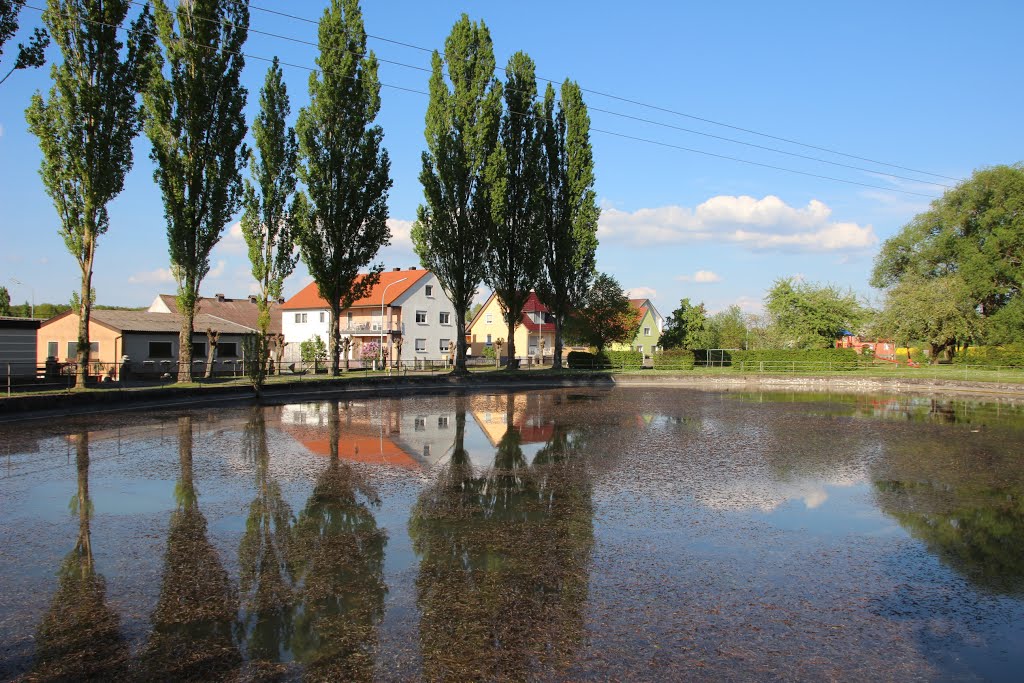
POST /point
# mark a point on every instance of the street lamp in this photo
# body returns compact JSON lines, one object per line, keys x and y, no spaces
{"x":31,"y":289}
{"x":382,"y":294}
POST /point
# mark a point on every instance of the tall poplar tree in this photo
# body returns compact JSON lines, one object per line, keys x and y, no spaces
{"x":451,"y":231}
{"x":343,"y":165}
{"x":29,"y":56}
{"x":195,"y":121}
{"x":570,"y":211}
{"x":269,"y":223}
{"x":87,"y":126}
{"x":513,"y":261}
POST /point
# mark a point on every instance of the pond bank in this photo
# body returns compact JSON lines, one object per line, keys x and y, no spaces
{"x":32,"y":405}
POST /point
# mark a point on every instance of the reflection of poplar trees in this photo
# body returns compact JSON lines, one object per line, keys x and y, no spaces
{"x":79,"y":638}
{"x":194,"y":621}
{"x":504,"y":561}
{"x":338,"y":557}
{"x":266,"y":578}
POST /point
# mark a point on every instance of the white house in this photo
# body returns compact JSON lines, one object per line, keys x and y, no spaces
{"x":406,"y":309}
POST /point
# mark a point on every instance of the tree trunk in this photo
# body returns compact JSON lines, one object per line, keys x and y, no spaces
{"x":84,"y":314}
{"x":335,"y":337}
{"x":460,"y":343}
{"x":556,"y":361}
{"x":188,"y":317}
{"x":511,"y":344}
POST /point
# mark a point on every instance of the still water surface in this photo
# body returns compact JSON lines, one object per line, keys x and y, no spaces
{"x":646,"y":534}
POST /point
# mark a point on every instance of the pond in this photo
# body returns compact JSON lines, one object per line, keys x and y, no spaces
{"x":626,"y":533}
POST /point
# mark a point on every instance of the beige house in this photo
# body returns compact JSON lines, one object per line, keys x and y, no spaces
{"x":534,"y":333}
{"x":149,"y":340}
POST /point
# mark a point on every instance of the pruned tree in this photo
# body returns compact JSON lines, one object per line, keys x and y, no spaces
{"x":570,"y":206}
{"x":269,"y":222}
{"x":604,"y":317}
{"x":516,"y":247}
{"x":30,"y":56}
{"x":451,"y":231}
{"x":195,"y":120}
{"x":212,"y":338}
{"x":343,"y":224}
{"x":87,"y":125}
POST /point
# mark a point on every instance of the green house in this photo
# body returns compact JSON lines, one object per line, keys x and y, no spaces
{"x":648,"y":336}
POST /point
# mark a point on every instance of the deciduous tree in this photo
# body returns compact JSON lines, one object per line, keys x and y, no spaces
{"x":515,"y":243}
{"x":605,"y":316}
{"x":570,"y":206}
{"x":195,"y":121}
{"x":87,"y":125}
{"x":807,"y":315}
{"x":687,"y":328}
{"x":268,"y":223}
{"x":29,"y":56}
{"x":452,"y":226}
{"x":344,"y":167}
{"x":730,"y":328}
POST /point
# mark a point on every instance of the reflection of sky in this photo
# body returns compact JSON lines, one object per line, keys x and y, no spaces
{"x":831,"y":510}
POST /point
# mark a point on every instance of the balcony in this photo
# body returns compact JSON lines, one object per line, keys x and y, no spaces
{"x":366,"y":329}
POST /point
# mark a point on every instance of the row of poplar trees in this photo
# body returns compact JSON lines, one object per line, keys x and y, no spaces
{"x":509,"y":197}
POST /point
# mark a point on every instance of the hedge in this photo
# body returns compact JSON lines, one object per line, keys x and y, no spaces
{"x":608,"y":359}
{"x":674,"y":359}
{"x":1012,"y":356}
{"x":800,"y":359}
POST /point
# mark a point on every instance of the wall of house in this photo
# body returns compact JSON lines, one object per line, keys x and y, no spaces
{"x":490,"y":322}
{"x":64,"y":331}
{"x":296,"y":330}
{"x":433,"y":331}
{"x":647,"y":344}
{"x":136,"y":345}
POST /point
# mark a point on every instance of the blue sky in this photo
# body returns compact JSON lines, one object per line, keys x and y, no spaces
{"x":930,"y":86}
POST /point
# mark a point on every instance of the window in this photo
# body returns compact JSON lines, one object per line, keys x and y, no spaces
{"x":445,"y":318}
{"x":429,"y":290}
{"x":647,"y":332}
{"x":94,"y":348}
{"x":161,"y":350}
{"x":421,"y":345}
{"x":640,"y":348}
{"x":488,"y":319}
{"x":442,"y":422}
{"x":421,"y":316}
{"x":420,"y":424}
{"x":51,"y":349}
{"x":198,"y":350}
{"x":301,"y":317}
{"x":227,"y":350}
{"x":322,"y":314}
{"x":488,"y":342}
{"x":445,"y":343}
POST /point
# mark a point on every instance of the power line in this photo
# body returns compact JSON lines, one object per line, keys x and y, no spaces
{"x":592,"y":108}
{"x":596,"y":130}
{"x":650,"y":106}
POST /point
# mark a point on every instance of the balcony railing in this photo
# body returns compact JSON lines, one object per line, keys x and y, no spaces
{"x":365,"y":328}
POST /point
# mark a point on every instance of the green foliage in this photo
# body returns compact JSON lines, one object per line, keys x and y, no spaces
{"x":29,"y":56}
{"x":674,"y":359}
{"x":687,"y":328}
{"x":268,"y":225}
{"x":452,"y":226}
{"x":490,"y":352}
{"x":802,"y":359}
{"x":729,"y":328}
{"x":196,"y":123}
{"x":570,"y":206}
{"x":583,"y":360}
{"x":1010,"y":355}
{"x":256,"y":349}
{"x":604,"y":317}
{"x":344,"y":166}
{"x":87,"y":126}
{"x":313,"y":350}
{"x":807,"y":315}
{"x":935,"y":311}
{"x":515,"y":248}
{"x":5,"y":302}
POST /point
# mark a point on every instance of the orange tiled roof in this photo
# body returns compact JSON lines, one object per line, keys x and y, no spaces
{"x":309,"y":296}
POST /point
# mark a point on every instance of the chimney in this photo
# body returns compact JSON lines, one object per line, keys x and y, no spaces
{"x":281,"y":300}
{"x":219,"y":297}
{"x":396,"y":269}
{"x":412,"y":267}
{"x":252,"y":298}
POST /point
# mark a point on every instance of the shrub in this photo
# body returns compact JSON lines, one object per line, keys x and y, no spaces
{"x":798,"y":359}
{"x":674,"y":359}
{"x":313,"y":349}
{"x":1011,"y":355}
{"x":621,"y":359}
{"x":582,"y":360}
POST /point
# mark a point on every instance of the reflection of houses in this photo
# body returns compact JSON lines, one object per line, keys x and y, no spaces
{"x":532,"y":414}
{"x":407,"y":305}
{"x":393,"y":433}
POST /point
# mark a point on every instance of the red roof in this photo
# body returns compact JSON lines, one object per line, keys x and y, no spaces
{"x":309,"y":296}
{"x":534,"y":305}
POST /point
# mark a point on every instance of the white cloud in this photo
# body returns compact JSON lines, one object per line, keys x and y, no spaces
{"x":701,"y":277}
{"x":754,"y":224}
{"x":152,"y":277}
{"x":1,"y":130}
{"x":233,"y":242}
{"x":749,"y":304}
{"x":641,"y":292}
{"x":217,"y":270}
{"x":401,"y":233}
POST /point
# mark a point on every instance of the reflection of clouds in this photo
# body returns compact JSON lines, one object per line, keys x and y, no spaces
{"x":761,"y":489}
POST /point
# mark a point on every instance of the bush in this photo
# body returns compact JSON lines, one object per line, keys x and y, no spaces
{"x":1011,"y":355}
{"x":622,"y":359}
{"x":581,"y":360}
{"x":799,"y":360}
{"x":313,"y":349}
{"x":674,"y":359}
